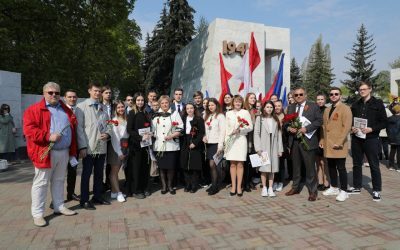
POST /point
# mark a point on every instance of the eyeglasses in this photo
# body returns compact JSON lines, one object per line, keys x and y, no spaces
{"x":333,"y":94}
{"x":296,"y":95}
{"x":53,"y":92}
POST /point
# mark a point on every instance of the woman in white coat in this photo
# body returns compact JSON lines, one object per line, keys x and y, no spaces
{"x":238,"y":124}
{"x":268,"y":138}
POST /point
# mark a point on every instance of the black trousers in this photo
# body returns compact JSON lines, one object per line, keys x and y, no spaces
{"x":384,"y":147}
{"x":280,"y":177}
{"x":71,"y":179}
{"x":336,"y":165}
{"x":139,"y":171}
{"x":370,"y":148}
{"x":394,"y":151}
{"x":191,"y":178}
{"x":248,"y":173}
{"x":299,"y":155}
{"x":93,"y":163}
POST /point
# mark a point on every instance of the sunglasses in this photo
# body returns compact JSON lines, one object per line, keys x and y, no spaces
{"x":296,"y":95}
{"x":53,"y":92}
{"x":333,"y":94}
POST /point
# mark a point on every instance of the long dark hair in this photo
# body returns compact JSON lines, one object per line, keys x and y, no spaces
{"x":273,"y":114}
{"x":223,"y":102}
{"x":136,"y":108}
{"x":196,"y":111}
{"x":217,"y":110}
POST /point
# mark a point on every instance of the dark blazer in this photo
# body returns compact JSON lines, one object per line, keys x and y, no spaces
{"x":148,"y":108}
{"x":197,"y":139}
{"x":136,"y":122}
{"x":314,"y":115}
{"x":173,"y":108}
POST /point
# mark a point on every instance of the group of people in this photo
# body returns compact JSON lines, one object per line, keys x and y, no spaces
{"x":203,"y":141}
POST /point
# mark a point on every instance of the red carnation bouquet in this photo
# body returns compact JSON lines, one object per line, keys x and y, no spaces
{"x":112,"y":122}
{"x":294,"y":122}
{"x":242,"y":123}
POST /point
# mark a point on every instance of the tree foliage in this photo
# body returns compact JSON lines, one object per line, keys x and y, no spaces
{"x":395,"y":64}
{"x":382,"y":84}
{"x":174,"y":30}
{"x":361,"y":62}
{"x":319,"y":76}
{"x":295,"y":75}
{"x":70,"y":42}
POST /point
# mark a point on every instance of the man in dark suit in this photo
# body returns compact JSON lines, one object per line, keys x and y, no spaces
{"x":298,"y":151}
{"x":178,"y":104}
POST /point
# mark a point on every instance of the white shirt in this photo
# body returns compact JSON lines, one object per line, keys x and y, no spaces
{"x":176,"y":106}
{"x":301,"y":108}
{"x":118,"y":132}
{"x":270,"y":124}
{"x":215,"y":130}
{"x":188,"y":126}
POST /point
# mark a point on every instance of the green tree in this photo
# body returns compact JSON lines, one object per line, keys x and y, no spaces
{"x":295,"y":75}
{"x":395,"y":64}
{"x":361,"y":62}
{"x":382,"y":84}
{"x":319,"y":75}
{"x":174,"y":30}
{"x":70,"y":42}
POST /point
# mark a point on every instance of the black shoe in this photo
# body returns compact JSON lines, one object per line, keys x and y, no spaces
{"x":87,"y":205}
{"x":100,"y":201}
{"x":232,"y":194}
{"x":209,"y":188}
{"x":139,"y":196}
{"x":74,"y":197}
{"x":172,"y":191}
{"x":164,"y":191}
{"x":213,"y":191}
{"x":147,"y":193}
{"x":106,"y":187}
{"x":247,"y":189}
{"x":186,"y":189}
{"x":193,"y":190}
{"x":240,"y":195}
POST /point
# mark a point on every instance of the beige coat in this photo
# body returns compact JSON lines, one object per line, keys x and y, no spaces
{"x":335,"y":131}
{"x":90,"y":122}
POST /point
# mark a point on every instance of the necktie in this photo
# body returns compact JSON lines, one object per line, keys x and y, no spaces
{"x":298,"y":109}
{"x":96,"y":106}
{"x":179,"y":108}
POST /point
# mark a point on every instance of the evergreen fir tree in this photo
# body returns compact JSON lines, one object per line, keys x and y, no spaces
{"x":362,"y":64}
{"x":173,"y":31}
{"x":295,"y":76}
{"x":319,"y":72}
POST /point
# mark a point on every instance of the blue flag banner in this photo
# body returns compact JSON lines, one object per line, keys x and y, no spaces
{"x":279,"y":81}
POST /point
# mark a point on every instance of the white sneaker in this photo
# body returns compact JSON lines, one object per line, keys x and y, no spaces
{"x":65,"y":211}
{"x":264,"y":192}
{"x":331,"y":191}
{"x":274,"y":186}
{"x":120,"y":197}
{"x":342,"y":196}
{"x":39,"y":222}
{"x":114,"y":195}
{"x":279,"y":187}
{"x":271,"y":192}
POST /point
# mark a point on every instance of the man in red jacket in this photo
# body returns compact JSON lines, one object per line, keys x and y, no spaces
{"x":49,"y":128}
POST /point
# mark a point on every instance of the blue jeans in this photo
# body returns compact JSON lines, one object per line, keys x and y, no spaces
{"x":370,"y":147}
{"x":95,"y":163}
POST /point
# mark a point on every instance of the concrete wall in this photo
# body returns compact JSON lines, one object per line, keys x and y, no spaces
{"x":197,"y":66}
{"x":395,"y":81}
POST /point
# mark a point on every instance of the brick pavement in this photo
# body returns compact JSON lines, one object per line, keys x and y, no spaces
{"x":197,"y":221}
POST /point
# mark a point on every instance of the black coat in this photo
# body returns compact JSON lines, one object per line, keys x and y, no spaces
{"x":191,"y":159}
{"x":135,"y":122}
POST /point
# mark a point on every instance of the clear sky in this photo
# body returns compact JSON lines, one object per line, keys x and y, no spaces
{"x":336,"y":20}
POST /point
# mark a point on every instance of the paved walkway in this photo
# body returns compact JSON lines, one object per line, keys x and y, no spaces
{"x":197,"y":221}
